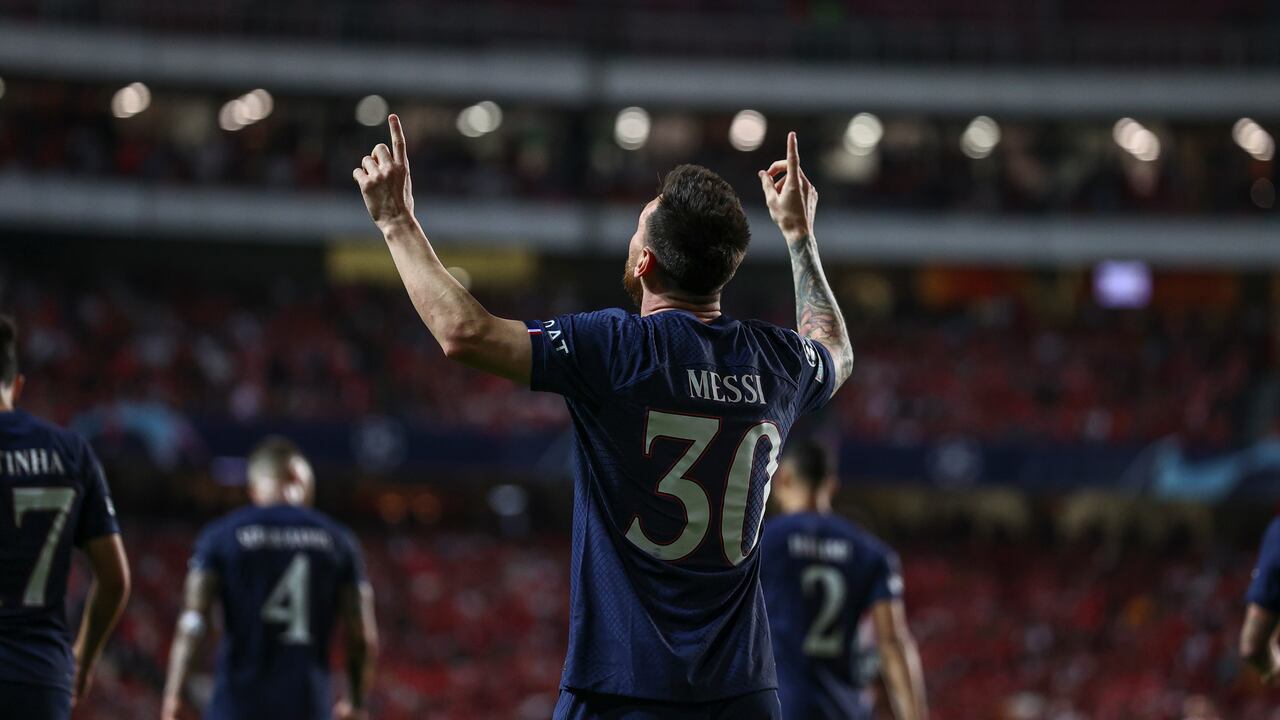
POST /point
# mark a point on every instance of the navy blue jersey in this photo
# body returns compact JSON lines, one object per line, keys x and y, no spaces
{"x":678,"y":426}
{"x":280,"y":570}
{"x":1264,"y":590}
{"x":53,"y":495}
{"x":821,"y":574}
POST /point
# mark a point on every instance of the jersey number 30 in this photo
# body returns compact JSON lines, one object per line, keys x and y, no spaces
{"x":699,"y":431}
{"x":290,"y":602}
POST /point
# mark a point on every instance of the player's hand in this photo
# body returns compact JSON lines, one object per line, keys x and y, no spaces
{"x":792,"y":200}
{"x":383,"y":177}
{"x":344,"y":711}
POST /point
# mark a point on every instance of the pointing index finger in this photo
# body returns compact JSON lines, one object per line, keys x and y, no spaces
{"x":397,"y":140}
{"x":793,"y":157}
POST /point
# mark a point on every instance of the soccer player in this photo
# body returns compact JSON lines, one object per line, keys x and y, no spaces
{"x":1258,"y":646}
{"x":53,"y":495}
{"x":821,"y":575}
{"x":679,"y":412}
{"x":283,"y":574}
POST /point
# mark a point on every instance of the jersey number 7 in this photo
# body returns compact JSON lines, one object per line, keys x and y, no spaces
{"x":699,"y":431}
{"x":42,"y":499}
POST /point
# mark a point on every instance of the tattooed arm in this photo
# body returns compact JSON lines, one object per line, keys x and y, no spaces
{"x":792,"y":203}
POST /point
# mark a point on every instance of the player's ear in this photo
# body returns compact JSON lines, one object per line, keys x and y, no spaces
{"x":647,"y":262}
{"x":19,"y":382}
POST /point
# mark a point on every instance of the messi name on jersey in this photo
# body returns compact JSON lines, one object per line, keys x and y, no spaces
{"x":710,"y":385}
{"x":33,"y":461}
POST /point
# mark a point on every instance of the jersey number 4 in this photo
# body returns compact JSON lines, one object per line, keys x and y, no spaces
{"x":290,"y":602}
{"x":698,"y":431}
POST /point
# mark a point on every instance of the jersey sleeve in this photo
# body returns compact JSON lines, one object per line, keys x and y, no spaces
{"x":814,"y":376}
{"x":580,"y":356}
{"x":97,"y":511}
{"x":352,"y":570}
{"x":887,"y":582}
{"x":1264,"y":589}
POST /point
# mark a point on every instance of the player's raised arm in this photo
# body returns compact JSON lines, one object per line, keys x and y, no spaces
{"x":107,"y":597}
{"x":193,"y":623}
{"x":465,"y":330}
{"x":356,"y":607}
{"x":903,"y":672}
{"x":792,"y":202}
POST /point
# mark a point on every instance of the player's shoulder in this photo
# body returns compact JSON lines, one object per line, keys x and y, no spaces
{"x":1271,"y":537}
{"x":858,"y":534}
{"x":783,"y":343}
{"x":605,"y":319}
{"x":45,"y":432}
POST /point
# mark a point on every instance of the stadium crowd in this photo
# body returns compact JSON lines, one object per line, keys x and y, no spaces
{"x":995,"y":372}
{"x":917,"y":164}
{"x":473,"y":627}
{"x":1227,"y":32}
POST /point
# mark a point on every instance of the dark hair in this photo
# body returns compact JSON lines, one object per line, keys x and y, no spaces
{"x":698,"y":231}
{"x":812,"y":462}
{"x":8,"y":350}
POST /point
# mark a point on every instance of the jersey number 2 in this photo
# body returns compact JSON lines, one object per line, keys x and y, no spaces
{"x":825,"y":638}
{"x":699,"y":431}
{"x":290,"y":602}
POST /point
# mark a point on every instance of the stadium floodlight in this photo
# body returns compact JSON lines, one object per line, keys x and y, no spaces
{"x":631,"y":129}
{"x":980,"y":137}
{"x":245,"y":110}
{"x":746,"y":132}
{"x":1254,"y":139}
{"x":480,"y":119}
{"x":130,"y":100}
{"x":229,"y":117}
{"x":372,"y":110}
{"x":863,"y":134}
{"x":258,"y":104}
{"x":1134,"y":138}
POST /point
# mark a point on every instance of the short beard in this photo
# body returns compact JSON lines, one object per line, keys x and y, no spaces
{"x":631,"y":283}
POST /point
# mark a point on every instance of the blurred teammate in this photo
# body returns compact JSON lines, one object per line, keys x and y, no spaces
{"x":284,"y":574}
{"x":680,"y":413}
{"x":1258,"y":641}
{"x":53,"y":495}
{"x":821,"y":574}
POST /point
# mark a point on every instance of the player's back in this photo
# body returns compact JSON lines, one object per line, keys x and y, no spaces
{"x":821,"y":574}
{"x":679,"y":424}
{"x":53,"y":496}
{"x":280,"y":570}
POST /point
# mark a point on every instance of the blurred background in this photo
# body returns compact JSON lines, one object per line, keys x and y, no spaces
{"x":1051,"y":226}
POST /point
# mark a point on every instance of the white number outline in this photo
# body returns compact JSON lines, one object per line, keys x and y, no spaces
{"x":825,"y":639}
{"x":42,"y":499}
{"x":699,"y":432}
{"x":733,"y":516}
{"x":290,"y":602}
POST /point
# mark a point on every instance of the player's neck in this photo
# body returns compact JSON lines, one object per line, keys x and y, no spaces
{"x":815,"y":503}
{"x":706,"y":311}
